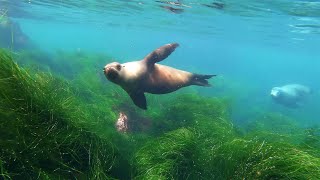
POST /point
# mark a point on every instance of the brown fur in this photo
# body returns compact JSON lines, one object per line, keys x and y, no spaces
{"x":142,"y":76}
{"x":164,"y":79}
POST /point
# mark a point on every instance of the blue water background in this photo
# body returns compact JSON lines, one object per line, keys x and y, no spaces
{"x":251,"y":46}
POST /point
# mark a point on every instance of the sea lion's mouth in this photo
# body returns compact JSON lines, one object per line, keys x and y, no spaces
{"x":112,"y":75}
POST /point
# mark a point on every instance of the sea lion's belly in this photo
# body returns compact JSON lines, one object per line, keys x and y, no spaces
{"x":165,"y":79}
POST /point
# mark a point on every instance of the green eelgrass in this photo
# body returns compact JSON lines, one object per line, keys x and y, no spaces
{"x":41,"y":132}
{"x":275,"y":127}
{"x":188,"y":110}
{"x":253,"y":159}
{"x":166,"y":157}
{"x":43,"y":119}
{"x":186,"y":154}
{"x":211,"y":148}
{"x":312,"y":138}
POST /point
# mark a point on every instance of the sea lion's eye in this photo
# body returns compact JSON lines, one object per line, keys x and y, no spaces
{"x":118,"y":67}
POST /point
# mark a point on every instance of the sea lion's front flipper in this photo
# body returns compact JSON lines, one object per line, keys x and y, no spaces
{"x":160,"y":54}
{"x":139,"y":99}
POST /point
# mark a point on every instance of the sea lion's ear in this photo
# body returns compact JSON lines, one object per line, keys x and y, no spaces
{"x":160,"y":54}
{"x":139,"y":99}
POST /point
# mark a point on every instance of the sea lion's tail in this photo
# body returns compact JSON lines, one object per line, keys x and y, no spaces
{"x":201,"y":80}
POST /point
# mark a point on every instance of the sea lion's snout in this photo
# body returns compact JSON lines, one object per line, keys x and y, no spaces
{"x":112,"y":74}
{"x":174,"y":45}
{"x":105,"y":70}
{"x":274,"y":92}
{"x":111,"y":71}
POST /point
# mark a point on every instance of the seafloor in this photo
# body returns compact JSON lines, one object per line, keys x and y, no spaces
{"x":58,"y":122}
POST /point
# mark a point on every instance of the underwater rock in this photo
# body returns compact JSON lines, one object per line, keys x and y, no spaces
{"x":122,"y":122}
{"x":146,"y":76}
{"x":291,"y":95}
{"x":131,"y":121}
{"x":12,"y":36}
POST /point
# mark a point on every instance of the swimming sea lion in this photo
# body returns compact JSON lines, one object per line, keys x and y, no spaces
{"x":216,"y":5}
{"x":290,"y":95}
{"x":174,"y":10}
{"x":142,"y":76}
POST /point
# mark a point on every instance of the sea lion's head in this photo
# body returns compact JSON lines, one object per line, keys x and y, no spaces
{"x":112,"y":72}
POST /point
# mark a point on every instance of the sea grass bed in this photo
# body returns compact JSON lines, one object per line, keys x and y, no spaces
{"x":57,"y":122}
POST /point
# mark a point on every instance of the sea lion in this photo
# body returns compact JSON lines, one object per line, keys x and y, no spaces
{"x":145,"y":76}
{"x":173,"y":10}
{"x":215,"y":5}
{"x":290,"y":95}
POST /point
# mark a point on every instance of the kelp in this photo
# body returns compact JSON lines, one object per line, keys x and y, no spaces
{"x":41,"y":132}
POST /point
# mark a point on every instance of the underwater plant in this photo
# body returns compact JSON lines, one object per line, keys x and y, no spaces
{"x":184,"y":152}
{"x":42,"y":132}
{"x":212,"y":148}
{"x":188,"y":110}
{"x":254,"y":159}
{"x":99,"y":101}
{"x":62,"y":125}
{"x":275,"y":127}
{"x":167,"y":157}
{"x":311,"y":141}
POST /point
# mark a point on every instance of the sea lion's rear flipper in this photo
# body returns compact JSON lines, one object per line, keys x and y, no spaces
{"x":201,"y":80}
{"x":139,"y":99}
{"x":160,"y":54}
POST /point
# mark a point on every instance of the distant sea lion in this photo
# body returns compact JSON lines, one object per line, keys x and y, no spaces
{"x":290,"y":95}
{"x":142,"y":76}
{"x":216,"y":5}
{"x":174,"y":10}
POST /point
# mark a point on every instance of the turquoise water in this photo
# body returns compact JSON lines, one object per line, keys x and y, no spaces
{"x":251,"y":45}
{"x":256,"y":44}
